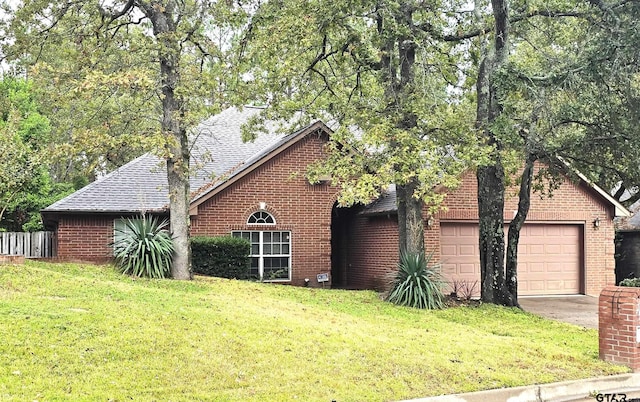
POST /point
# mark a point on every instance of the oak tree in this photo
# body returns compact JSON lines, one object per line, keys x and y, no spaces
{"x":144,"y":67}
{"x":393,"y":89}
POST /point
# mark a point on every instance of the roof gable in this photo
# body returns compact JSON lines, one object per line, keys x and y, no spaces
{"x":386,"y":203}
{"x":218,"y":154}
{"x":253,"y":163}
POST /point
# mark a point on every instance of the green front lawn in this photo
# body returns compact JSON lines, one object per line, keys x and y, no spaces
{"x":83,"y":332}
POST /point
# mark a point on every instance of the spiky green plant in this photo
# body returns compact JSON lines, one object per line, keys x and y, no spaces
{"x":418,"y":283}
{"x":144,"y":247}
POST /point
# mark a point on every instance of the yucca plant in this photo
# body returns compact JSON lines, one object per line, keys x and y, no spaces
{"x":418,"y":283}
{"x":143,"y":247}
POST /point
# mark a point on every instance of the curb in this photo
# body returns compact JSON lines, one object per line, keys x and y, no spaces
{"x":586,"y":390}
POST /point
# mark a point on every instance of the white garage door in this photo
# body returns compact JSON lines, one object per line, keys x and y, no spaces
{"x":548,"y":257}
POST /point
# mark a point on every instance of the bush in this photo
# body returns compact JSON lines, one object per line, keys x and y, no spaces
{"x":631,"y":282}
{"x":143,"y":247}
{"x":224,"y":257}
{"x":418,"y":283}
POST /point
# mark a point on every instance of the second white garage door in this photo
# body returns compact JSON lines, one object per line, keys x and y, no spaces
{"x":548,"y":257}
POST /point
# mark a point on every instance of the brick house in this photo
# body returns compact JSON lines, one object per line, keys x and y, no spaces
{"x":566,"y":245}
{"x":258,"y":190}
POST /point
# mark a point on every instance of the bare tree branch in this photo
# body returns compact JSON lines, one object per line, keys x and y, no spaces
{"x":488,"y":28}
{"x":111,"y":15}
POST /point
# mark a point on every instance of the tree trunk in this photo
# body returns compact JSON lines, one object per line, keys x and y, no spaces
{"x":177,"y":142}
{"x":491,"y":235}
{"x":491,"y":183}
{"x":491,"y":191}
{"x":410,"y":222}
{"x":513,"y":237}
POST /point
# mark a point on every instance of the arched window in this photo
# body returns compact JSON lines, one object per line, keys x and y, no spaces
{"x":261,"y":218}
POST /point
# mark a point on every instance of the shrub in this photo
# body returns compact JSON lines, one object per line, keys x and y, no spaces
{"x":418,"y":283}
{"x":463,"y":289}
{"x":224,"y":257}
{"x":631,"y":282}
{"x":143,"y":247}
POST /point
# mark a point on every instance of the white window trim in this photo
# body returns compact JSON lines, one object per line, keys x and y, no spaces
{"x":261,"y":254}
{"x":262,"y":224}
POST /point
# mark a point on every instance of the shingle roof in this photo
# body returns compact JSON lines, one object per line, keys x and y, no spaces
{"x":141,"y":185}
{"x":385,"y":204}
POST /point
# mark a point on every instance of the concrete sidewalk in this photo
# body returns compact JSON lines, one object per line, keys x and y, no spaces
{"x":625,"y":386}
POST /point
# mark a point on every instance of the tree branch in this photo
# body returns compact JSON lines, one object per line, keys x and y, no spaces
{"x":323,"y":55}
{"x":428,"y":28}
{"x":117,"y":14}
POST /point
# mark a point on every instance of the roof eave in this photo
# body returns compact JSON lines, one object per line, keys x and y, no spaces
{"x":51,"y":212}
{"x":619,"y":209}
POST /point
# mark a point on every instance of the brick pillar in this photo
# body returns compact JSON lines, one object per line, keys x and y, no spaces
{"x":619,"y":324}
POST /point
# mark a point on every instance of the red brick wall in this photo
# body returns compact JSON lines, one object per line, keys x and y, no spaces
{"x":619,"y":320}
{"x":297,"y":206}
{"x":373,"y":252}
{"x":85,"y":238}
{"x":571,"y":203}
{"x":305,"y":210}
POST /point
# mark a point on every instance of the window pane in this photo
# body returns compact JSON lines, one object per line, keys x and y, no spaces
{"x":285,"y":249}
{"x":276,"y":249}
{"x":276,"y":237}
{"x":255,"y":249}
{"x":276,"y":268}
{"x":266,"y":237}
{"x":255,"y":237}
{"x":253,"y":272}
{"x":261,"y":218}
{"x":266,"y":249}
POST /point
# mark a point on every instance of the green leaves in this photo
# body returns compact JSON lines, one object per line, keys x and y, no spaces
{"x":418,"y":283}
{"x":384,"y":80}
{"x":143,"y":247}
{"x":24,"y":136}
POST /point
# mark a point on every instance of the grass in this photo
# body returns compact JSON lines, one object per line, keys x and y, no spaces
{"x":84,"y":332}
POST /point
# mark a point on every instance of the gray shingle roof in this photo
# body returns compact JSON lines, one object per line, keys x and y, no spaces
{"x":141,"y":185}
{"x":385,"y":204}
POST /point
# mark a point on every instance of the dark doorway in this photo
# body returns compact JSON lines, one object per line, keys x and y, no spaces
{"x":627,"y":255}
{"x":341,"y":235}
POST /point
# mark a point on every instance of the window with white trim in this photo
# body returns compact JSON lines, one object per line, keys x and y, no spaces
{"x":261,"y":218}
{"x":120,"y":229}
{"x":270,"y":254}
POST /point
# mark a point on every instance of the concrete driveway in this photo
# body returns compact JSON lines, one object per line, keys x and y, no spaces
{"x":579,"y":309}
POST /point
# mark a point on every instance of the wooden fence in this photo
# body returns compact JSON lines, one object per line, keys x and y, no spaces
{"x":30,"y":245}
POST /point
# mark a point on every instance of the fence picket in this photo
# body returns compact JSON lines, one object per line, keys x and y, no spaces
{"x":30,"y":245}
